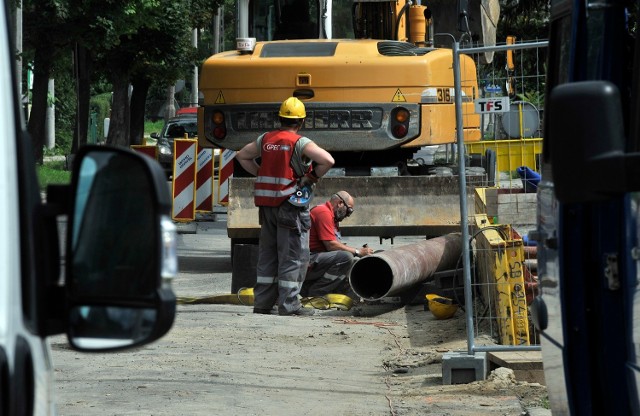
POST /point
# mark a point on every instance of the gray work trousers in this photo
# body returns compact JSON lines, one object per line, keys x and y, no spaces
{"x":328,"y":274}
{"x":283,"y":256}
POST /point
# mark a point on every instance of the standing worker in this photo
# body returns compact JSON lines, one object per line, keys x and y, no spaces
{"x":288,"y":161}
{"x":330,"y":258}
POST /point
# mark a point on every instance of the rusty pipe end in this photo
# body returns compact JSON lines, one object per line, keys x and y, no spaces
{"x":371,"y":277}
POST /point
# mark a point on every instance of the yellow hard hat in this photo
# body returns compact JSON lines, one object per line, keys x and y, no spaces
{"x":441,"y":307}
{"x":292,"y":108}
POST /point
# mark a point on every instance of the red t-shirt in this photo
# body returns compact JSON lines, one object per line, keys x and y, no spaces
{"x":323,"y":227}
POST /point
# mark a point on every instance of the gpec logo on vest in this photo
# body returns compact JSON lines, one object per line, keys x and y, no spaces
{"x":273,"y":147}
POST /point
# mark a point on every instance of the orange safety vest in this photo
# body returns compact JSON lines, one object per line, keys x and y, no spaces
{"x":276,"y":179}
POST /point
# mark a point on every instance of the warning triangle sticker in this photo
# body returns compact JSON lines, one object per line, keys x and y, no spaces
{"x":220,"y":99}
{"x":398,"y":97}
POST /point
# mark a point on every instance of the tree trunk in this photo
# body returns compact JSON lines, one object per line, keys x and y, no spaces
{"x":83,"y":66}
{"x":138,"y":101}
{"x":119,"y":125}
{"x":37,"y":119}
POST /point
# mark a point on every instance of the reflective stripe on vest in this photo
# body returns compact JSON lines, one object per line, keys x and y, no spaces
{"x":272,"y":180}
{"x":275,"y":194}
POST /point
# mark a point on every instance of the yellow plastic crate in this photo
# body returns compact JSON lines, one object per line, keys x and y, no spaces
{"x":510,"y":154}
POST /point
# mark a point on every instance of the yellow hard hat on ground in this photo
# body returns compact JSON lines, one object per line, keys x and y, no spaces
{"x":441,"y":307}
{"x":292,"y":108}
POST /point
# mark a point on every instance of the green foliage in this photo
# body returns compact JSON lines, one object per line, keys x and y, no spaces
{"x":161,"y":49}
{"x":201,"y":12}
{"x":524,"y":19}
{"x":53,"y":173}
{"x":101,"y":106}
{"x":62,"y":145}
{"x":153,"y":127}
{"x":528,"y":22}
{"x":229,"y":29}
{"x":65,"y":107}
{"x":535,"y":97}
{"x":150,"y":38}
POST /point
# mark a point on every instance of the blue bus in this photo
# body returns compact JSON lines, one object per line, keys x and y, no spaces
{"x":588,"y":210}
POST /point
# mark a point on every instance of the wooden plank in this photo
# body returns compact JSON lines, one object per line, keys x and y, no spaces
{"x":526,"y":365}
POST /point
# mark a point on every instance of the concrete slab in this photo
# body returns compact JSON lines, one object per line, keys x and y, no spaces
{"x":385,"y":206}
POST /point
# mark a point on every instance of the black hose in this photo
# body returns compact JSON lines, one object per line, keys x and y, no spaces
{"x":398,"y":48}
{"x":356,"y":33}
{"x":402,"y":11}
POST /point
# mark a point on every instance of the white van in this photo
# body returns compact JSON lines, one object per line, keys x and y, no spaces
{"x":120,"y":254}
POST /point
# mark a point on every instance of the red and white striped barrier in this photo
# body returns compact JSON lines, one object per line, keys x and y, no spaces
{"x":151,"y":151}
{"x":184,"y":176}
{"x":225,"y":174}
{"x":204,"y":180}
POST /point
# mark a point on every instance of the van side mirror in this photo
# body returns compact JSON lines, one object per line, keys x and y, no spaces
{"x":588,"y":159}
{"x":121,"y":251}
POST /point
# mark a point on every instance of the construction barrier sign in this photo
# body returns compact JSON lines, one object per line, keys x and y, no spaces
{"x":204,"y":180}
{"x":184,"y":176}
{"x":151,"y":151}
{"x":226,"y":173}
{"x":491,"y":105}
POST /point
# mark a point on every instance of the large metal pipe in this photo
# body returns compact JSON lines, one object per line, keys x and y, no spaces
{"x":389,"y":272}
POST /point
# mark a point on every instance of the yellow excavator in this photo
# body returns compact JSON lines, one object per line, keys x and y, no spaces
{"x":377,"y":82}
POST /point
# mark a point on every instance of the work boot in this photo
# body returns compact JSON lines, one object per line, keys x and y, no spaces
{"x":300,"y":312}
{"x":262,"y":311}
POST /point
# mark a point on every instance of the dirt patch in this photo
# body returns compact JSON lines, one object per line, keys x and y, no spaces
{"x":414,"y":367}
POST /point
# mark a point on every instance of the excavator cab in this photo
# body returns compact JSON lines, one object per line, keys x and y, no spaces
{"x":339,"y":19}
{"x":295,"y":21}
{"x":390,"y":20}
{"x":284,"y":19}
{"x":267,"y":20}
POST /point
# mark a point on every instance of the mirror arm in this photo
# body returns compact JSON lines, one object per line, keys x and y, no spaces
{"x":631,"y":162}
{"x":50,"y":293}
{"x":58,"y":200}
{"x":619,"y":173}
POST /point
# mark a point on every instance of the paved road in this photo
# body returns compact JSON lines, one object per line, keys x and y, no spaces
{"x":221,"y":359}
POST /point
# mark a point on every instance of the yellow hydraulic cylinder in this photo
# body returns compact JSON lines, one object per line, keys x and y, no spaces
{"x":418,"y":25}
{"x":510,"y":65}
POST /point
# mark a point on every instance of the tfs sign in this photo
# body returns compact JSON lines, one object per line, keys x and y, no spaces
{"x":492,"y":105}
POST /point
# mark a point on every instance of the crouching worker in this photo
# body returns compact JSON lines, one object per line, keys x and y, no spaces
{"x":330,"y":259}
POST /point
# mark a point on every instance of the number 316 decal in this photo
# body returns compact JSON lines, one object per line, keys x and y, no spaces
{"x":444,"y":95}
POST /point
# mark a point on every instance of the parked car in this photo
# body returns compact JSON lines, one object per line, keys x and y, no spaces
{"x":187,"y":111}
{"x":175,"y":127}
